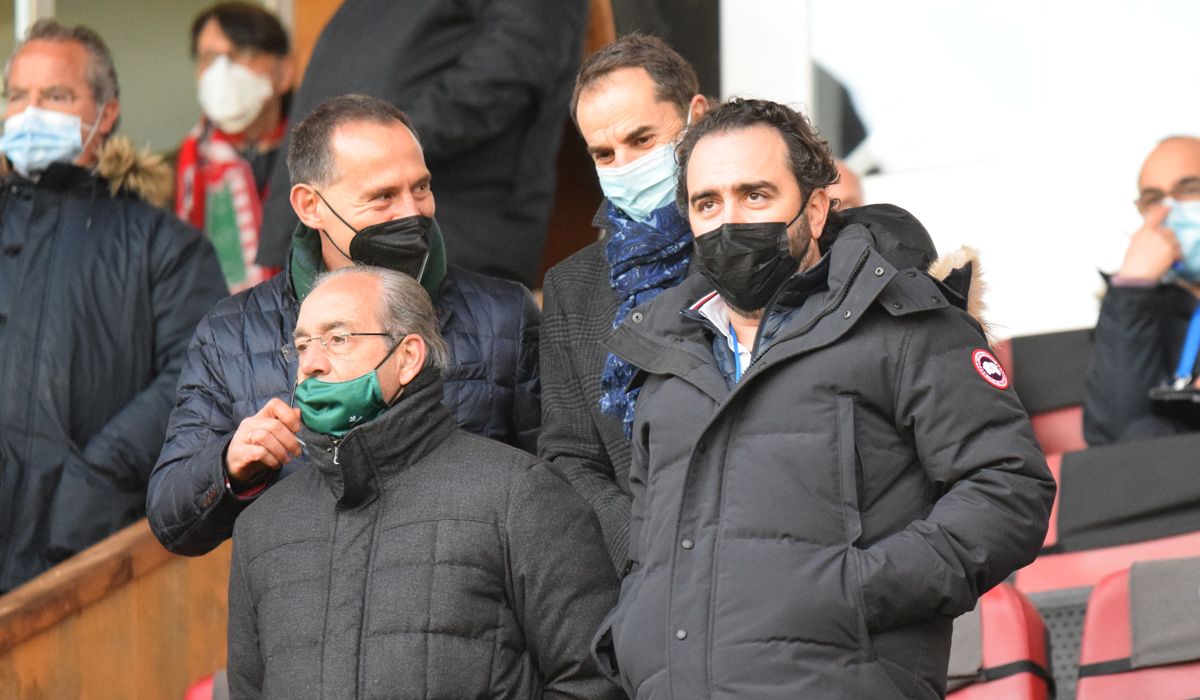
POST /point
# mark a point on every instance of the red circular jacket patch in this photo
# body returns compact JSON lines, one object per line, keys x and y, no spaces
{"x":988,"y":368}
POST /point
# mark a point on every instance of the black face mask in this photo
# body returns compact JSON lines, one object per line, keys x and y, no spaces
{"x":400,"y":244}
{"x":747,"y":262}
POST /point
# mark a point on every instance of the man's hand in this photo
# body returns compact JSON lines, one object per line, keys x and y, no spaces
{"x":1152,"y":250}
{"x":265,"y":440}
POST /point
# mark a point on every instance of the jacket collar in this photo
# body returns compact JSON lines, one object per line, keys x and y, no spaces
{"x":358,"y":467}
{"x":60,"y":177}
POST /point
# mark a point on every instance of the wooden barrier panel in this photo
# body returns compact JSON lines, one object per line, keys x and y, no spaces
{"x":122,"y":619}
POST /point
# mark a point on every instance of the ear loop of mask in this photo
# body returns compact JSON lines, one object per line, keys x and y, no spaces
{"x":92,"y":132}
{"x":399,"y":391}
{"x":339,"y":218}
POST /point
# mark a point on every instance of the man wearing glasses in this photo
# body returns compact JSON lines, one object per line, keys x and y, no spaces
{"x":362,"y":193}
{"x":411,"y":558}
{"x":1150,"y":309}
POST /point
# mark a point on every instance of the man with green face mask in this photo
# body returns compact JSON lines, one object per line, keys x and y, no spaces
{"x":362,"y":191}
{"x":485,"y":557}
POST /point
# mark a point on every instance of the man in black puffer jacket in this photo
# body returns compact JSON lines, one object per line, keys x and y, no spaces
{"x":828,"y":463}
{"x":100,"y":291}
{"x":410,"y":559}
{"x":362,"y":195}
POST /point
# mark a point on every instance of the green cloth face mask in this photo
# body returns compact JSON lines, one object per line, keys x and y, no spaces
{"x":336,"y":408}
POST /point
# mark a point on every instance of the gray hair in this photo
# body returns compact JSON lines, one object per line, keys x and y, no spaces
{"x":101,"y":73}
{"x":404,"y":308}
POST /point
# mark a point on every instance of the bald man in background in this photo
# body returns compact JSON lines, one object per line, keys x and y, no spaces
{"x":1150,"y":302}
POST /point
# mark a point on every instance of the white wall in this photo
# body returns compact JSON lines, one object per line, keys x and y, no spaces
{"x":1015,"y":127}
{"x":764,"y":50}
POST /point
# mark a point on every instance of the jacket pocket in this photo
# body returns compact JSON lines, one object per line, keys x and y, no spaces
{"x":852,"y":517}
{"x":612,"y":642}
{"x":848,"y":470}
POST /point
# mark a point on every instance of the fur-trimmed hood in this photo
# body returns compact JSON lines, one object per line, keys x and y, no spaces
{"x":962,"y":272}
{"x":903,"y":240}
{"x":139,"y":172}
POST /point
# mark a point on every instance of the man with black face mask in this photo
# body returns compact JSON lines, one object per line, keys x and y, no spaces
{"x":362,"y":193}
{"x":828,"y":464}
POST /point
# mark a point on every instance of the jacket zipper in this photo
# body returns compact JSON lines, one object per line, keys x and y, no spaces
{"x":841,"y":297}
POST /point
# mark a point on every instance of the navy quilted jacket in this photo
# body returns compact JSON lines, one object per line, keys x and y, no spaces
{"x":234,"y":367}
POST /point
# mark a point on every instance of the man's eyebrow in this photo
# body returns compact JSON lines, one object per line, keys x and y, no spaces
{"x":747,"y":187}
{"x":322,"y":329}
{"x":741,"y":189}
{"x":372,"y":194}
{"x":1189,"y":180}
{"x":637,"y":133}
{"x":702,"y":194}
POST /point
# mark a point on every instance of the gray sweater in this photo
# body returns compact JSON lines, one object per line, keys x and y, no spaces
{"x":412,"y":559}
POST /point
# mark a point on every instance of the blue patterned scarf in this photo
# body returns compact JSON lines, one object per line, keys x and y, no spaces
{"x":644,"y":258}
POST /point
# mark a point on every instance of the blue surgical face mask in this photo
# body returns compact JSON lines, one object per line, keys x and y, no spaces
{"x":1184,"y":220}
{"x":646,"y":184}
{"x":34,"y":138}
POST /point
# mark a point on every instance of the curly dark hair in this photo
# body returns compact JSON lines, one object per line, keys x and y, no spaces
{"x":811,"y":160}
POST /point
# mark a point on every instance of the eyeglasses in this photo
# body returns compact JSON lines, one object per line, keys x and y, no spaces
{"x":236,"y":55}
{"x":1186,"y":190}
{"x":337,"y":343}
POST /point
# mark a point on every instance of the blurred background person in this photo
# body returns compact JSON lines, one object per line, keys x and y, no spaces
{"x":99,"y":294}
{"x":486,"y":85}
{"x":847,"y":191}
{"x":1146,"y":313}
{"x":245,"y":73}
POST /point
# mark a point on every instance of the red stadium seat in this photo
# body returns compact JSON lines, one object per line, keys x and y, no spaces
{"x":200,"y":690}
{"x":1141,"y":634}
{"x":1059,"y":430}
{"x":214,"y":687}
{"x":1049,"y":371}
{"x":999,"y":650}
{"x":1085,"y":568}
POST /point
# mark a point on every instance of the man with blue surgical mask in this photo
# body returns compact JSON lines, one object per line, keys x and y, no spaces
{"x":633,"y":100}
{"x":100,"y":291}
{"x":1143,"y":372}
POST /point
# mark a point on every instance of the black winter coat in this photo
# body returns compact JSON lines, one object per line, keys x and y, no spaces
{"x":812,"y":531}
{"x":234,"y":367}
{"x":412,"y":559}
{"x":1138,"y":339}
{"x":99,"y":295}
{"x":486,"y":84}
